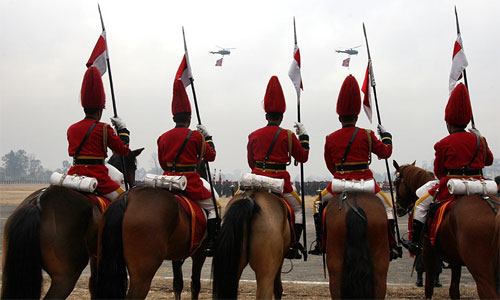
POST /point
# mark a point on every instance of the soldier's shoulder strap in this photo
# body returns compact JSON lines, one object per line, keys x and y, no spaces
{"x":77,"y":152}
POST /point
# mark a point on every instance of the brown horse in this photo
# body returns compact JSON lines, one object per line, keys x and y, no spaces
{"x":468,"y":236}
{"x":54,"y":229}
{"x":254,"y":231}
{"x":357,"y":251}
{"x":140,"y":230}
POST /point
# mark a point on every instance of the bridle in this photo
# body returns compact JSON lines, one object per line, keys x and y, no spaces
{"x":397,"y":182}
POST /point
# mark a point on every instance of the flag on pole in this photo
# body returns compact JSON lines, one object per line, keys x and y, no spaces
{"x":458,"y":64}
{"x":367,"y":99}
{"x":294,"y":72}
{"x":184,"y":71}
{"x":218,"y":63}
{"x":345,"y":62}
{"x":99,"y":54}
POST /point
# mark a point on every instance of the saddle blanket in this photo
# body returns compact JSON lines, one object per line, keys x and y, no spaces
{"x":198,"y":221}
{"x":435,"y":220}
{"x":291,"y":219}
{"x":99,"y":201}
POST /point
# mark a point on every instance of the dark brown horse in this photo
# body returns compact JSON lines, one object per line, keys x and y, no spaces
{"x":468,"y":236}
{"x":357,"y":251}
{"x":254,"y":231}
{"x":140,"y":230}
{"x":54,"y":230}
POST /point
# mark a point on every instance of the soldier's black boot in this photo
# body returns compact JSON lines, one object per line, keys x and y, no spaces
{"x":319,"y":230}
{"x":212,"y":228}
{"x":420,"y":279}
{"x":414,"y":245}
{"x":295,"y":250}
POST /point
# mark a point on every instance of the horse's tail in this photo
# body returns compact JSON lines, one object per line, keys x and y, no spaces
{"x":358,"y":277}
{"x":233,"y":232}
{"x":22,"y":261}
{"x":111,"y":282}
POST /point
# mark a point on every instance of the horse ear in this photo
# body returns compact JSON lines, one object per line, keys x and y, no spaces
{"x":395,"y":164}
{"x":413,"y":163}
{"x":137,"y":152}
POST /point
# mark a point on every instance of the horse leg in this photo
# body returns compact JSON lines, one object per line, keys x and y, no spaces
{"x":178,"y":280}
{"x":198,"y":259}
{"x":456,"y":273}
{"x":142,"y":270}
{"x":484,"y":275}
{"x":429,"y":260}
{"x":278,"y":285}
{"x":61,"y":285}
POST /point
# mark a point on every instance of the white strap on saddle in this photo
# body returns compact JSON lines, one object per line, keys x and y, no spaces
{"x":74,"y":182}
{"x":170,"y":183}
{"x":259,"y":182}
{"x":341,"y":185}
{"x":471,"y":186}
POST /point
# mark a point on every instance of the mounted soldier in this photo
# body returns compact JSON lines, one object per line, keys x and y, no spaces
{"x":181,"y":151}
{"x":459,"y":155}
{"x":271,"y":148}
{"x":348,"y":156}
{"x":89,"y":139}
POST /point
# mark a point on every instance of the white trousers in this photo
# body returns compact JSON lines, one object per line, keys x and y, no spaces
{"x":422,"y":207}
{"x":296,"y":203}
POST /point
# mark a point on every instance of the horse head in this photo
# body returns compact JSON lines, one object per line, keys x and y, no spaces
{"x":405,"y":195}
{"x":130,"y":163}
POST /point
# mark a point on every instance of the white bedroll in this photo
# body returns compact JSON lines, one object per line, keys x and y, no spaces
{"x":426,"y":187}
{"x":341,"y":185}
{"x":75,"y":182}
{"x":166,"y":182}
{"x":472,"y":186}
{"x":259,"y":182}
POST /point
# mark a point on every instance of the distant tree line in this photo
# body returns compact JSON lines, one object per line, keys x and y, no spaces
{"x":19,"y":166}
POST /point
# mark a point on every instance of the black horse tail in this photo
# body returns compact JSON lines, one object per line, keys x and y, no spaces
{"x":111,"y":281}
{"x":22,"y":270}
{"x":358,"y":277}
{"x":233,"y":232}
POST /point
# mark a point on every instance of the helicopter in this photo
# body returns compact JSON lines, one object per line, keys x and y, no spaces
{"x":223,"y":51}
{"x":349,"y":51}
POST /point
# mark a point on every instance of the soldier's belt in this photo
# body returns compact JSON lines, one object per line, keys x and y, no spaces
{"x":464,"y":172}
{"x":270,"y":166}
{"x":180,"y":169}
{"x":351,"y":167}
{"x":88,"y":161}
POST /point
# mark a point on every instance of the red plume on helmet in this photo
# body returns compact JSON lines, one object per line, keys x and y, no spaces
{"x":349,"y":101}
{"x":274,"y":100}
{"x":92,"y":93}
{"x":180,"y":100}
{"x":458,"y":110}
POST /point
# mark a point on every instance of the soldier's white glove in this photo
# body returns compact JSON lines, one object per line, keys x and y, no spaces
{"x":475,"y":131}
{"x":381,"y":129}
{"x":118,"y":123}
{"x":300,"y":129}
{"x":203,"y":130}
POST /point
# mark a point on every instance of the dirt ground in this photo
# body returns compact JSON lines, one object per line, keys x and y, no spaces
{"x":162,"y":289}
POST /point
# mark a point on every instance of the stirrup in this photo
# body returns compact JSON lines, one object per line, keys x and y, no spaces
{"x":413,"y":248}
{"x":395,"y":252}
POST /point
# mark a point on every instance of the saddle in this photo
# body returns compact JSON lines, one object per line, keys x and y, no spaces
{"x":437,"y":211}
{"x":198,"y":219}
{"x":100,"y":201}
{"x":290,"y":217}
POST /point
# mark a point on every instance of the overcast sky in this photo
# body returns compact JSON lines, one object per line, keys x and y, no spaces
{"x":45,"y":45}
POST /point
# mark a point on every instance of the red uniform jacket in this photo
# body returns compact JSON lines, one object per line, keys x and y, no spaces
{"x":454,"y":152}
{"x":169,"y":145}
{"x":335,"y":147}
{"x":259,"y":142}
{"x":94,"y":148}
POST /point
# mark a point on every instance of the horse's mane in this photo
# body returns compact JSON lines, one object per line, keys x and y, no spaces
{"x":130,"y":161}
{"x":414,"y":176}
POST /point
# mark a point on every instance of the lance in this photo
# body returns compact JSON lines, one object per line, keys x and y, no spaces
{"x":464,"y":71}
{"x":125,"y":179}
{"x":191,"y":80}
{"x":386,"y":161}
{"x":304,"y":236}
